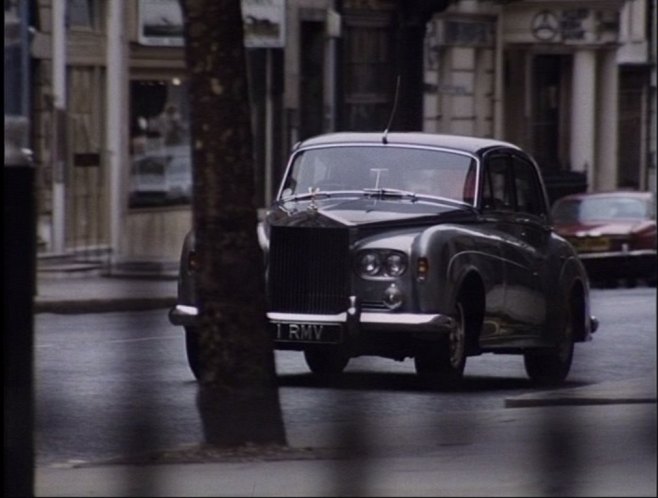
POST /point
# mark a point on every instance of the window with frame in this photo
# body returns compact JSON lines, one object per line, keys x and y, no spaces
{"x":497,"y":189}
{"x":368,"y":78}
{"x":81,"y":14}
{"x":527,"y":188}
{"x":160,"y":149}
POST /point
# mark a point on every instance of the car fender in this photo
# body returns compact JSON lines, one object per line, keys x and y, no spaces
{"x":454,"y":252}
{"x":571,"y":277}
{"x":185,"y":282}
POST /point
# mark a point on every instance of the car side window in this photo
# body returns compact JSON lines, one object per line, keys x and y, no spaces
{"x":529,"y":197}
{"x":497,"y":188}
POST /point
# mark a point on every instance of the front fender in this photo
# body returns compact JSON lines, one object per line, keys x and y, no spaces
{"x":453,"y":252}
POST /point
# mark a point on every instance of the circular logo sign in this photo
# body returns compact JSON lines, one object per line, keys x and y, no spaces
{"x":545,"y":25}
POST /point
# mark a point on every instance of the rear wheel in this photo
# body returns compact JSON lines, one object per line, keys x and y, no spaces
{"x":445,"y":360}
{"x":552,"y":366}
{"x":326,"y":362}
{"x":193,"y":351}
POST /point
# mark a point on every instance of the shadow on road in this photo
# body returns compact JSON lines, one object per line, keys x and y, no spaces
{"x":369,"y":381}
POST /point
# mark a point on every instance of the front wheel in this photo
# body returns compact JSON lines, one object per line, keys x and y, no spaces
{"x":324,"y":362}
{"x":193,"y":350}
{"x":446,"y":359}
{"x":551,"y":367}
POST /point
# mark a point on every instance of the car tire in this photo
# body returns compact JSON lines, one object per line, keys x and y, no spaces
{"x":551,"y":367}
{"x":326,"y":362}
{"x":193,"y":350}
{"x":444,"y":361}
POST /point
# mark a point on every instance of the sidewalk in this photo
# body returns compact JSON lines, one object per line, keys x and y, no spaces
{"x":613,"y":423}
{"x":97,"y":293}
{"x":551,"y":451}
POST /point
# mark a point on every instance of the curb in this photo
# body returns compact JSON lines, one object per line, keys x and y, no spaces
{"x":629,"y":391}
{"x":103,"y":305}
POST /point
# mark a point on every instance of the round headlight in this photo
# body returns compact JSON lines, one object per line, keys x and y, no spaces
{"x":395,"y":264}
{"x":369,"y":264}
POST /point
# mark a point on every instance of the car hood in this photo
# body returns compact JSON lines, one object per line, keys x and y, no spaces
{"x":365,"y":211}
{"x":598,"y":228}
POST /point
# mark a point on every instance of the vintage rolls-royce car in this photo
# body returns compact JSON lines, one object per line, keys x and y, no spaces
{"x":414,"y":245}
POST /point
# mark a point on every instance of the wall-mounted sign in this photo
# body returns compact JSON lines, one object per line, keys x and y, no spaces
{"x":161,"y":23}
{"x":264,"y":23}
{"x":525,"y":24}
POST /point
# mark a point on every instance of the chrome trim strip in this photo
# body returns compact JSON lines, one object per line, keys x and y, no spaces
{"x":299,"y":317}
{"x":412,"y":319}
{"x":617,"y":254}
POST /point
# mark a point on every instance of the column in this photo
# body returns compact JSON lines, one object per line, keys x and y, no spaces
{"x":59,"y":148}
{"x":117,"y":122}
{"x":583,"y":102}
{"x":608,"y":119}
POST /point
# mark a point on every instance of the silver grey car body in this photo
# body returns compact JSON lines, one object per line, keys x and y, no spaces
{"x":434,"y":247}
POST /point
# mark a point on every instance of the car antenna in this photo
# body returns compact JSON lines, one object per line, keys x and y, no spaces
{"x":395,"y":106}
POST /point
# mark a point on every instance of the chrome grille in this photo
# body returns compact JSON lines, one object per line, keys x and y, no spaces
{"x":308,"y":270}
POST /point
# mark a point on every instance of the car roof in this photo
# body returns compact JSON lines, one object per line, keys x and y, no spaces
{"x":457,"y":142}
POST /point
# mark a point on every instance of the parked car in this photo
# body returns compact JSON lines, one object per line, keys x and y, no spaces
{"x":614,"y":233}
{"x":414,"y":245}
{"x":148,"y":180}
{"x":179,"y":175}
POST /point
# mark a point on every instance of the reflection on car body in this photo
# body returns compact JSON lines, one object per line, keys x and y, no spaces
{"x":613,"y":232}
{"x":423,"y":246}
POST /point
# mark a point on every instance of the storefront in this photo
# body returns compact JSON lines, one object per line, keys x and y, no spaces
{"x":552,"y":77}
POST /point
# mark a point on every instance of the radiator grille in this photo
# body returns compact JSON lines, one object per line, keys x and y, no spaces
{"x":308,"y":270}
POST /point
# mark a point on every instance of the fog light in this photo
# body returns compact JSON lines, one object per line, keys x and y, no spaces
{"x":393,"y":297}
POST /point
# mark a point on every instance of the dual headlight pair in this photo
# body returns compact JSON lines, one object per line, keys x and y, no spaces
{"x":381,"y":263}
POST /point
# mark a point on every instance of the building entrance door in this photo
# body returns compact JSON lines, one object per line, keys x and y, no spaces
{"x":547,"y":123}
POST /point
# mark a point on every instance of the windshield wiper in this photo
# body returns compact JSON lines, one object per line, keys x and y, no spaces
{"x":389,"y":192}
{"x":307,"y":195}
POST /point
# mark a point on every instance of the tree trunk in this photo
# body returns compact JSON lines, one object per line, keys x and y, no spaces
{"x":237,"y":389}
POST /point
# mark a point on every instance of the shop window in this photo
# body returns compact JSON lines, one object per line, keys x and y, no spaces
{"x":161,"y":172}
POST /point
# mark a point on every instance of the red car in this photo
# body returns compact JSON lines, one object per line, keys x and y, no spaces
{"x":614,"y":233}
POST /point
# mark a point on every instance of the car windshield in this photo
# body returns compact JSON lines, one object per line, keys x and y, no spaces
{"x":600,"y":208}
{"x":425,"y":172}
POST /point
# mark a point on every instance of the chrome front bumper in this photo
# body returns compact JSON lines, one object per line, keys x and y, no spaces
{"x":183,"y":315}
{"x":187,"y":316}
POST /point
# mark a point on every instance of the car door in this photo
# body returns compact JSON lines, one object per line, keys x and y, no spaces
{"x":530,"y":230}
{"x":497,"y":205}
{"x":513,"y":199}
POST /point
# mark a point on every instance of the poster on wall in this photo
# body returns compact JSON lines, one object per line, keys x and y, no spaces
{"x":161,"y":23}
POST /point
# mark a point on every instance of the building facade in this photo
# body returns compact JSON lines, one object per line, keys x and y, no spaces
{"x":572,"y":82}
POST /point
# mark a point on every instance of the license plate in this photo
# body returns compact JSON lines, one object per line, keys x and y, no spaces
{"x":327,"y":333}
